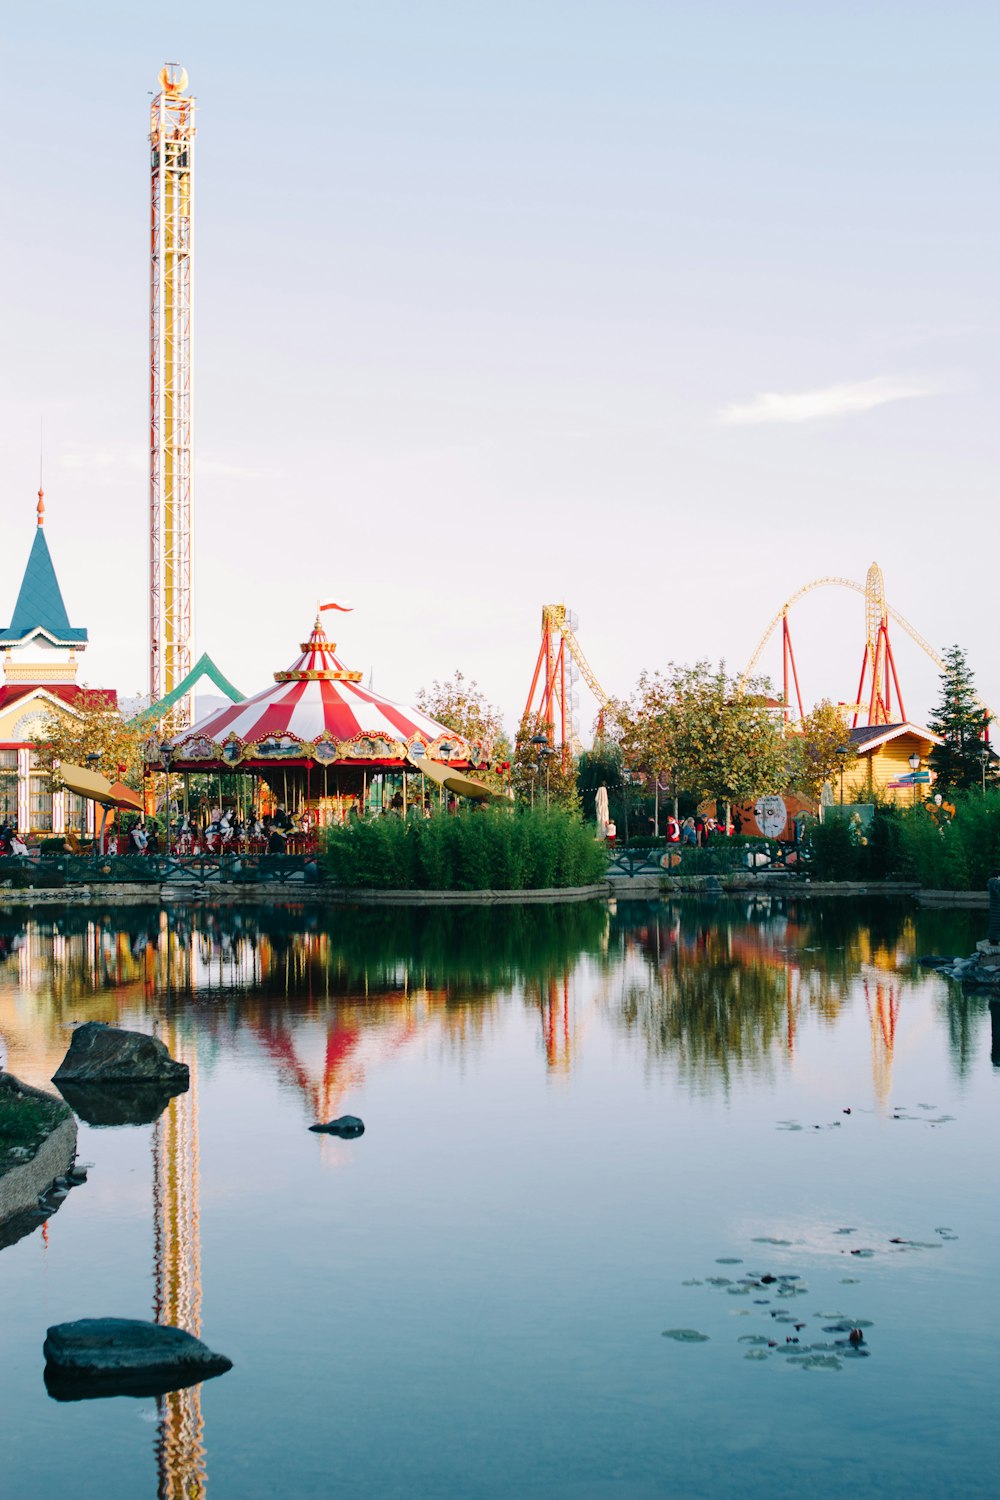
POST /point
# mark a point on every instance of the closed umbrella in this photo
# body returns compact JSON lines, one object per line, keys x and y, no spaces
{"x":601,"y":810}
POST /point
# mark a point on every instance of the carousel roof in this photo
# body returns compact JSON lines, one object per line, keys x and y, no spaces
{"x":318,"y":711}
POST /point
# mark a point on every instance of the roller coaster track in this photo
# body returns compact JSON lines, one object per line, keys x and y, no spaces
{"x":858,"y":588}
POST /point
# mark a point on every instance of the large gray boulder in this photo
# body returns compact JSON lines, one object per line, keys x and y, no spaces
{"x":124,"y":1357}
{"x":108,"y":1054}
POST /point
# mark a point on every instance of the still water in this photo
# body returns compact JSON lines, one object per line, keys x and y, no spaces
{"x":575,"y":1117}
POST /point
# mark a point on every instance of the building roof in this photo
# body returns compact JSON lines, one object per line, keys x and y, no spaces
{"x":40,"y":607}
{"x":66,"y":692}
{"x":872,"y":736}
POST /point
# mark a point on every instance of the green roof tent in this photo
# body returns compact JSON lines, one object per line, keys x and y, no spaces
{"x":203,"y":667}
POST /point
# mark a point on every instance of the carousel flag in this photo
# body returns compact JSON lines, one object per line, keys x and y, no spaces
{"x":340,"y":604}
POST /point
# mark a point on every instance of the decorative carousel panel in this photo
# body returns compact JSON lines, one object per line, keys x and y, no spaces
{"x":277,"y":747}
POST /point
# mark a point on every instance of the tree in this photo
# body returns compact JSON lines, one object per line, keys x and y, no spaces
{"x":813,"y":751}
{"x":461,"y":706}
{"x":714,"y":736}
{"x":93,"y":727}
{"x":961,"y":721}
{"x":555,"y":785}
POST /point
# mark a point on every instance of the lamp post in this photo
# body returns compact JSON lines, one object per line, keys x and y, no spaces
{"x":166,"y":751}
{"x":914,"y":764}
{"x":542,"y":749}
{"x":842,"y":752}
{"x":984,"y":760}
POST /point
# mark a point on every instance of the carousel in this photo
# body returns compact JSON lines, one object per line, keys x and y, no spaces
{"x":318,"y":747}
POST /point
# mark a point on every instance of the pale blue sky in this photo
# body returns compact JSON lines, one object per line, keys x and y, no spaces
{"x":487,"y":295}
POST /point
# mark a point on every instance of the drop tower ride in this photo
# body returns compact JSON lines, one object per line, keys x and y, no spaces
{"x":171,"y":390}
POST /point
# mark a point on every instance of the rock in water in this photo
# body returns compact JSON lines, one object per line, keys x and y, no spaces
{"x":124,"y":1357}
{"x":347,"y":1126}
{"x":118,"y":1102}
{"x":108,"y":1054}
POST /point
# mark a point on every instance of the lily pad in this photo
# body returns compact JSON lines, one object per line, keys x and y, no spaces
{"x":738,"y":1291}
{"x":863,"y":1254}
{"x":769,"y":1239}
{"x":845,"y":1231}
{"x":693,"y":1282}
{"x":685,"y":1335}
{"x":816,"y":1361}
{"x":728,"y":1260}
{"x":718,"y":1281}
{"x":850,"y":1280}
{"x":756,"y":1354}
{"x":752,"y":1338}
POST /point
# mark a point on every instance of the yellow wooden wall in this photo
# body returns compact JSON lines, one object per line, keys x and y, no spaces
{"x":890,"y":761}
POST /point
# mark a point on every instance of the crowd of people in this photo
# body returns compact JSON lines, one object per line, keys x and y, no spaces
{"x":695,"y":832}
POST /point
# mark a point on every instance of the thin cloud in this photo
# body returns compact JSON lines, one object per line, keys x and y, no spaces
{"x":831,"y":401}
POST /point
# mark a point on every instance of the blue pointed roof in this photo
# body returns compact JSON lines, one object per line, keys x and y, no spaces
{"x":40,"y":604}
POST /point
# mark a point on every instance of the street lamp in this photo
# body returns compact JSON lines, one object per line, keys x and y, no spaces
{"x":542,"y":749}
{"x":914,"y":764}
{"x":984,"y":760}
{"x":166,"y":751}
{"x":843,"y":751}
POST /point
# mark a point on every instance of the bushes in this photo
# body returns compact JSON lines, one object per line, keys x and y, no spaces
{"x":915,"y":843}
{"x":476,"y":849}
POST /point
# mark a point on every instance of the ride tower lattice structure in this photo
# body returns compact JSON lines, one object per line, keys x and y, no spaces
{"x":171,"y":390}
{"x":559,"y":666}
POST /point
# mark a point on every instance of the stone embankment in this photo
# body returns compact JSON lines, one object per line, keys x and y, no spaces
{"x":36,"y":1157}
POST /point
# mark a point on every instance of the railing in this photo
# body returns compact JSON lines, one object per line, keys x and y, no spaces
{"x":156,"y":869}
{"x":714,"y":858}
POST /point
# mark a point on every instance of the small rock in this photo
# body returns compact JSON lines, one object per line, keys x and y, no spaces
{"x":346,"y":1126}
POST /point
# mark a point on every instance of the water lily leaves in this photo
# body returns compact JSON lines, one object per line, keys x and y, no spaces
{"x":850,"y":1280}
{"x":756,"y":1354}
{"x":752,"y":1338}
{"x":816,"y":1361}
{"x":728,"y":1260}
{"x":693,"y":1282}
{"x":718,"y":1280}
{"x":769,"y":1239}
{"x":685,"y":1335}
{"x":738,"y":1291}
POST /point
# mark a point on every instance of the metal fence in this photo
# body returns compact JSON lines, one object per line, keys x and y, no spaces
{"x":155,"y":869}
{"x":715,"y":858}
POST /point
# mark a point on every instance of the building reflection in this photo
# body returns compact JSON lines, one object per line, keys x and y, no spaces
{"x":327,"y":996}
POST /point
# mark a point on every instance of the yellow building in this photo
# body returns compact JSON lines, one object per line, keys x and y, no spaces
{"x":41,"y":651}
{"x":884,"y":752}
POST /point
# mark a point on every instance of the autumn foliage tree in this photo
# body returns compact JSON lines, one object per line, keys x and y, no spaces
{"x":93,"y":727}
{"x":712,"y":735}
{"x":820,"y":749}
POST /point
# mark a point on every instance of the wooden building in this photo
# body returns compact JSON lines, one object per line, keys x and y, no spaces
{"x":884,"y":752}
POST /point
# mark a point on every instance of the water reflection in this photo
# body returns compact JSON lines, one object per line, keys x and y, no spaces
{"x":715,"y":989}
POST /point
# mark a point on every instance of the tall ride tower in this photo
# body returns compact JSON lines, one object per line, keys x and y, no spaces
{"x":171,"y":389}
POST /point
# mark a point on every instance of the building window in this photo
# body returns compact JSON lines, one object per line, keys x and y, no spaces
{"x":40,"y":804}
{"x":8,"y":786}
{"x":76,"y":813}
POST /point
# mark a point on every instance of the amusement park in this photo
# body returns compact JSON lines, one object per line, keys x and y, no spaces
{"x":318,"y":749}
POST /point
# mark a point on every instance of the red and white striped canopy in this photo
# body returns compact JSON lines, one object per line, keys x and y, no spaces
{"x":319,"y":713}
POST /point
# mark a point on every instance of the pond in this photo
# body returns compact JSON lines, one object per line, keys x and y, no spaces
{"x":753,"y":1126}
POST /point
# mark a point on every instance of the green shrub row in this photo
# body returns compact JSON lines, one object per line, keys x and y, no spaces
{"x":475,"y":849}
{"x":940,"y":852}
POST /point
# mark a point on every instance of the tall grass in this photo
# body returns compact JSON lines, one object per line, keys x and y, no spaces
{"x":476,"y":849}
{"x":914,"y":843}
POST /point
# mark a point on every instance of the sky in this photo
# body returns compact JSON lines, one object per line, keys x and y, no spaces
{"x":656,"y":309}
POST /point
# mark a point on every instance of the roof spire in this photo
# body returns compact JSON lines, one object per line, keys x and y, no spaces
{"x":41,"y":454}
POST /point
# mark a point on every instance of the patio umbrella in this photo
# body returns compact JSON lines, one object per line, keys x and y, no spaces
{"x":601,"y":811}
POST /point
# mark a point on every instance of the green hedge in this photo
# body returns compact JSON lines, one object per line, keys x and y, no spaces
{"x":914,"y":843}
{"x":475,"y":849}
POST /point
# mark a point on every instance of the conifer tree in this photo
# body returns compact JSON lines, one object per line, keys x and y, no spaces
{"x":961,"y":721}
